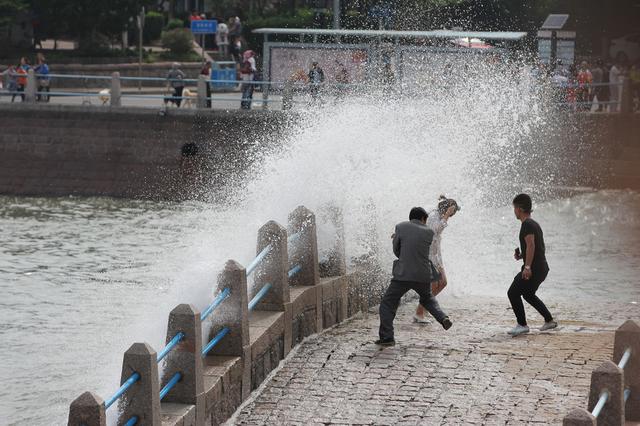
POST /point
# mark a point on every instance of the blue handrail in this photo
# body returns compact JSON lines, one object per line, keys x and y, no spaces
{"x":217,"y":301}
{"x":165,"y":390}
{"x":259,"y":258}
{"x":294,"y":270}
{"x":125,"y":386}
{"x":259,"y":295}
{"x":132,"y":421}
{"x":215,"y":340}
{"x":172,"y":344}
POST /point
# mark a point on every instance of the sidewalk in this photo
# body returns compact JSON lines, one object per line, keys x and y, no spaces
{"x":473,"y":374}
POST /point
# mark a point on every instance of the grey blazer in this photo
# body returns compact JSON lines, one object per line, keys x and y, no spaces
{"x":411,"y":245}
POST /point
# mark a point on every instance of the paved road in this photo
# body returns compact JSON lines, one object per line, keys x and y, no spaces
{"x":472,"y":374}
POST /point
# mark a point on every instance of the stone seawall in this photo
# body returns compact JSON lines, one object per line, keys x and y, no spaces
{"x":54,"y":150}
{"x":129,"y":152}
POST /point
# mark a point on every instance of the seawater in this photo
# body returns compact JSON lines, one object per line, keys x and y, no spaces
{"x":84,"y":278}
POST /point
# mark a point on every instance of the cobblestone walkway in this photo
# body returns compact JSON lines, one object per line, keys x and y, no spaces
{"x":472,"y":374}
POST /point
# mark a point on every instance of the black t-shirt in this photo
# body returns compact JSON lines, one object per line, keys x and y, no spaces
{"x":530,"y":226}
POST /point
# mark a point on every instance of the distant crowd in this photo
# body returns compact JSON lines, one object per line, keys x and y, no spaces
{"x":595,"y":87}
{"x":14,"y":78}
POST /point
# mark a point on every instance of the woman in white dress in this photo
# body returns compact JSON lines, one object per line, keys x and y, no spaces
{"x":437,"y":221}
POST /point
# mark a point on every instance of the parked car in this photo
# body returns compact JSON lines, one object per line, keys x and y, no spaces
{"x":626,"y":49}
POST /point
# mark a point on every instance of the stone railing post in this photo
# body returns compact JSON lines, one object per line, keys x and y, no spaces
{"x":201,"y":102}
{"x":116,"y":92}
{"x":628,"y":336}
{"x":273,"y":269}
{"x":579,"y":417}
{"x":32,"y":86}
{"x":186,"y":359}
{"x":234,"y":313}
{"x":143,"y":398}
{"x":335,"y":264}
{"x":303,"y":251}
{"x":626,"y":96}
{"x":88,"y":410}
{"x":608,"y":377}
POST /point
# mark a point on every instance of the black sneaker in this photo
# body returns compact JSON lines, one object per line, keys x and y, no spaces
{"x":385,"y":342}
{"x":446,"y":323}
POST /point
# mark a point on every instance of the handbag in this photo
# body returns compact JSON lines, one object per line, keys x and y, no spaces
{"x":435,"y":273}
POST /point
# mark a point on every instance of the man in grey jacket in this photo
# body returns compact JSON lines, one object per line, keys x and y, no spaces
{"x":411,"y":271}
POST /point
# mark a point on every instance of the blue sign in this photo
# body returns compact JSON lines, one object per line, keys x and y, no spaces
{"x":209,"y":26}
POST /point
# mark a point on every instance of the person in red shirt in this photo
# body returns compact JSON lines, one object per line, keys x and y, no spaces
{"x":194,"y":16}
{"x":21,"y":79}
{"x":583,"y":91}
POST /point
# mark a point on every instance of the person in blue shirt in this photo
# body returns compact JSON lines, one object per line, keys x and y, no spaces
{"x":42,"y":75}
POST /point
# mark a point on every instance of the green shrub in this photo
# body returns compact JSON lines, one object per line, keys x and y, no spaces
{"x":153,"y":22}
{"x":179,"y":41}
{"x":173,"y":24}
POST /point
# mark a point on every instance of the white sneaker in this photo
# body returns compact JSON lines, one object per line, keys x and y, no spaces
{"x":420,"y":320}
{"x":549,"y":325}
{"x":518,"y":330}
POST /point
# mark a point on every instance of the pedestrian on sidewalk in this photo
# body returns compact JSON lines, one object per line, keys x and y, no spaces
{"x":175,"y":77}
{"x":247,"y":73}
{"x":316,"y":80}
{"x":42,"y":72}
{"x":22,"y":70}
{"x":222,"y":39}
{"x":438,"y":220}
{"x":411,"y":271}
{"x":534,"y":269}
{"x":206,"y":71}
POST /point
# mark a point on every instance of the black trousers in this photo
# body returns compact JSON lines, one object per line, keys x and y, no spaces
{"x":391,"y":300}
{"x":526,"y":289}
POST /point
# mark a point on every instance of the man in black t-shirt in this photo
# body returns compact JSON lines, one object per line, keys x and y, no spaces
{"x":533,"y":272}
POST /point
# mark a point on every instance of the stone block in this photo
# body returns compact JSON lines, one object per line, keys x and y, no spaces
{"x":274,"y":267}
{"x":186,"y":359}
{"x":143,"y":398}
{"x":88,"y":410}
{"x":288,"y":329}
{"x":303,"y":251}
{"x":628,"y":336}
{"x":579,"y":417}
{"x":232,"y":312}
{"x":335,"y":263}
{"x":608,"y":378}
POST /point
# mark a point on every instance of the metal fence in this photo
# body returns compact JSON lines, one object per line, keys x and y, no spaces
{"x":140,"y":379}
{"x":614,"y":395}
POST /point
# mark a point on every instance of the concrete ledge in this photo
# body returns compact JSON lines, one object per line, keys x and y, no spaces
{"x":173,"y":414}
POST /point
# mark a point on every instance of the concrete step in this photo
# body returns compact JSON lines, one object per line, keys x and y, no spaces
{"x":173,"y":414}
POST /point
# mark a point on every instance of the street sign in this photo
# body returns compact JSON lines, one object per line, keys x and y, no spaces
{"x":209,"y":26}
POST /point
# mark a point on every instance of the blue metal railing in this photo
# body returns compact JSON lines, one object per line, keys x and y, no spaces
{"x":215,"y":341}
{"x":132,"y":421}
{"x":174,"y":380}
{"x":259,"y":295}
{"x":259,"y":258}
{"x":125,"y":386}
{"x":604,"y":396}
{"x":294,"y":270}
{"x":172,"y":344}
{"x":216,"y":302}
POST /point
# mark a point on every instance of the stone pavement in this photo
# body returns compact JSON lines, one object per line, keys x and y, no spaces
{"x":472,"y":374}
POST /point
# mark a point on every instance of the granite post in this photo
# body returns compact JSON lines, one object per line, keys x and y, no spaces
{"x":186,"y":359}
{"x":273,"y":269}
{"x":116,"y":92}
{"x":608,"y":378}
{"x":31,"y":87}
{"x":234,"y":314}
{"x":628,"y":336}
{"x":88,"y":410}
{"x":143,"y":397}
{"x":579,"y":417}
{"x":303,"y":253}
